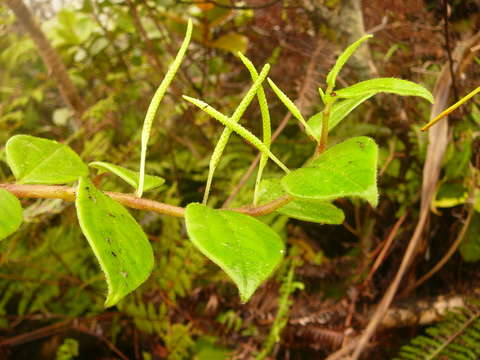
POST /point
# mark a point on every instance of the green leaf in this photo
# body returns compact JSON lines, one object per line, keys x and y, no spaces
{"x":307,"y":210}
{"x":117,"y":240}
{"x":347,"y":169}
{"x":244,"y":247}
{"x":12,"y":214}
{"x":342,"y":59}
{"x":129,"y":176}
{"x":339,"y":111}
{"x":232,"y":42}
{"x":470,"y":246}
{"x":35,"y":160}
{"x":388,"y":85}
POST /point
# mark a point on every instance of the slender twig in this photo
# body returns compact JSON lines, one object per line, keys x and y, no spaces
{"x":235,"y":7}
{"x":386,"y":247}
{"x":446,"y":34}
{"x":137,"y":22}
{"x":453,"y":248}
{"x":51,"y":58}
{"x":67,"y":193}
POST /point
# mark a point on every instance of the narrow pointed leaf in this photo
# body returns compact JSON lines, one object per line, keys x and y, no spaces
{"x":117,"y":240}
{"x":11,"y":214}
{"x":266,"y":126}
{"x":35,"y":160}
{"x":155,"y":103}
{"x":345,"y":170}
{"x":387,"y":85}
{"x":244,"y":247}
{"x":342,"y":59}
{"x":339,"y":111}
{"x":290,"y":105}
{"x":239,"y":129}
{"x":307,"y":210}
{"x":222,"y":142}
{"x":129,"y":176}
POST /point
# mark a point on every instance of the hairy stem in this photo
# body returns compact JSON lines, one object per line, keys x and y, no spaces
{"x":322,"y":144}
{"x":67,"y":193}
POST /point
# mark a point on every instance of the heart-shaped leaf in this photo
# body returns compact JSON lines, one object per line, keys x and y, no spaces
{"x":347,"y":169}
{"x":244,"y":247}
{"x":11,"y":214}
{"x":307,"y":210}
{"x":387,"y":85}
{"x":129,"y":176}
{"x":35,"y":160}
{"x":339,"y":111}
{"x":117,"y":240}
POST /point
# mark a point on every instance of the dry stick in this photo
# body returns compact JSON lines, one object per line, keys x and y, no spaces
{"x":448,"y":255}
{"x":417,"y":235}
{"x":67,"y":193}
{"x":111,"y":346}
{"x":302,"y":95}
{"x":152,"y":55}
{"x":50,"y":57}
{"x":386,"y":247}
{"x":388,"y":297}
{"x":50,"y":330}
{"x":111,"y":39}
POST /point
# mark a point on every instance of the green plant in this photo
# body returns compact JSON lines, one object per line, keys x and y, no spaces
{"x":247,"y":249}
{"x":456,"y":337}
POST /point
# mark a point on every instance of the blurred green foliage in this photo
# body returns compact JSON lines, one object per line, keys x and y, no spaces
{"x":116,"y":53}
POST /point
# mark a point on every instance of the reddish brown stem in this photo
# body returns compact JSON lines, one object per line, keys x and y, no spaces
{"x":129,"y":200}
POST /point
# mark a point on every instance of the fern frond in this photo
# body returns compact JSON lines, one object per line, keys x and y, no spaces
{"x":456,"y":337}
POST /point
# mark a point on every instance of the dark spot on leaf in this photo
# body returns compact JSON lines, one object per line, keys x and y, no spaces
{"x":333,"y":93}
{"x":115,"y":255}
{"x":361,"y":144}
{"x":111,"y":215}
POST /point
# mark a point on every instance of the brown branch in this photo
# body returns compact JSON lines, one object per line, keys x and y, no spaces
{"x":50,"y":57}
{"x":137,"y":22}
{"x":67,"y":193}
{"x":233,"y":7}
{"x":453,"y":248}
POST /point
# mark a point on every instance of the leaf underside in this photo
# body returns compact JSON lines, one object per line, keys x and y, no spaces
{"x":307,"y":210}
{"x":244,"y":247}
{"x":11,"y":214}
{"x":348,"y":169}
{"x":387,"y":85}
{"x":129,"y":176}
{"x":117,"y":240}
{"x":35,"y":160}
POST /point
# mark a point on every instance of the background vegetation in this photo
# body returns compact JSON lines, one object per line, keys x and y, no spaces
{"x":117,"y":51}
